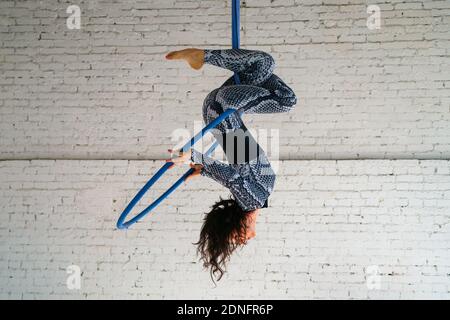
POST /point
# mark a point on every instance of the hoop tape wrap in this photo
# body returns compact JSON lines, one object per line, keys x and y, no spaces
{"x":121,"y":223}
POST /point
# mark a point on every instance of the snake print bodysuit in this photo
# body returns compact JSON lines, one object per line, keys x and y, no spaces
{"x":260,"y":91}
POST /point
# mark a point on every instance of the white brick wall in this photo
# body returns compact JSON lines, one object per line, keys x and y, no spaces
{"x":105,"y":91}
{"x":328,"y":222}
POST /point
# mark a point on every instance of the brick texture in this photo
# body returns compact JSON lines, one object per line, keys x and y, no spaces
{"x":329,"y":221}
{"x":106,"y":92}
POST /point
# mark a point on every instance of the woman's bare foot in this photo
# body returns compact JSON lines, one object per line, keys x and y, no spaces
{"x":195,"y":57}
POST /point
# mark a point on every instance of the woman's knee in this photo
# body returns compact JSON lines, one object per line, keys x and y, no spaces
{"x":263,"y":67}
{"x":269,"y":61}
{"x":210,"y":107}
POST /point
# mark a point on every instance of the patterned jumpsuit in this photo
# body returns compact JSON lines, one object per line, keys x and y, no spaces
{"x":260,"y":91}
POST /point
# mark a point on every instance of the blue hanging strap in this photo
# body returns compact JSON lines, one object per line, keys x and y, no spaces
{"x":121,"y":223}
{"x":235,"y":30}
{"x":235,"y":41}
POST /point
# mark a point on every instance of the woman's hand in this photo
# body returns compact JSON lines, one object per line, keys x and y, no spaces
{"x":197,"y":170}
{"x":183,"y":157}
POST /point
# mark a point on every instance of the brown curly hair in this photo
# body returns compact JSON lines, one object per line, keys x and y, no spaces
{"x":226,"y":221}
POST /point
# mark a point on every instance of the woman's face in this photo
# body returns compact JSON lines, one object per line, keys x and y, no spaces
{"x":251,"y":227}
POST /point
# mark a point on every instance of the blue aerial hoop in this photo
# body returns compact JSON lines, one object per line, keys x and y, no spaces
{"x":121,"y":223}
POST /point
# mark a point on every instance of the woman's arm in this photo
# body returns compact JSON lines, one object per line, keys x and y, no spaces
{"x":206,"y":166}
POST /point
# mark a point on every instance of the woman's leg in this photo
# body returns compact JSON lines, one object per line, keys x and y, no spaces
{"x":236,"y":140}
{"x":260,"y":90}
{"x":213,"y":109}
{"x":253,"y":67}
{"x":253,"y":99}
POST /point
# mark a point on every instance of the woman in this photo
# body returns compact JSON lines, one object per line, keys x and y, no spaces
{"x":231,"y":222}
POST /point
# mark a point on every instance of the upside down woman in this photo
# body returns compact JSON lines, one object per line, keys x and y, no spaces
{"x":231,"y":222}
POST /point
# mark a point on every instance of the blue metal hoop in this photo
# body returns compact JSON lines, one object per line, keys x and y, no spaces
{"x":121,"y":223}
